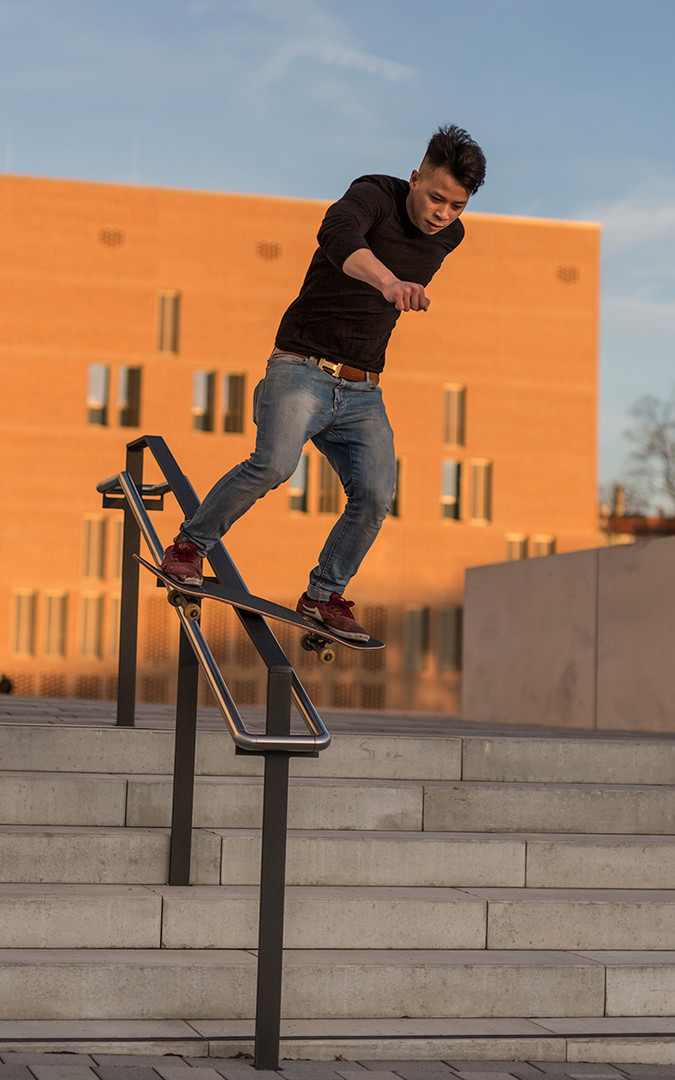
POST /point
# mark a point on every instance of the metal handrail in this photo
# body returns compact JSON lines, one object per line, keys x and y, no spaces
{"x":276,"y":746}
{"x":319,"y":737}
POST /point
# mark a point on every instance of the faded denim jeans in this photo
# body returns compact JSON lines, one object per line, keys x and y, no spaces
{"x":348,"y":423}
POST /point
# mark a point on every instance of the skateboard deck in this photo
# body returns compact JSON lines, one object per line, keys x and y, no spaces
{"x":317,"y":637}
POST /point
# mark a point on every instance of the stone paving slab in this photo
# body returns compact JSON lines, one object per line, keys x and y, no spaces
{"x":415,"y":1070}
{"x":54,"y":1066}
{"x":64,"y":1072}
{"x":15,"y":1072}
{"x":322,"y":1070}
{"x":125,"y":1072}
{"x":521,"y":1070}
{"x":181,"y":1071}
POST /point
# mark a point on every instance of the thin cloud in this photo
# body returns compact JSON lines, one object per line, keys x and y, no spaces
{"x":369,"y":64}
{"x":646,"y":215}
{"x":300,"y":32}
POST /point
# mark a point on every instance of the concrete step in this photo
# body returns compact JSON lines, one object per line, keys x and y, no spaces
{"x":600,"y":862}
{"x":574,"y":919}
{"x":472,"y":1040}
{"x":539,"y":758}
{"x":543,"y":758}
{"x":418,"y":1043}
{"x":82,"y":855}
{"x":50,"y":798}
{"x":557,"y":808}
{"x":111,"y":749}
{"x":226,"y":917}
{"x":167,"y":984}
{"x":145,"y":801}
{"x":236,"y":802}
{"x":425,"y":918}
{"x":80,"y":917}
{"x":381,"y":858}
{"x":457,"y":860}
{"x":212,"y":983}
{"x":62,"y":854}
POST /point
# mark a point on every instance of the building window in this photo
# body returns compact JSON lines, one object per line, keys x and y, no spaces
{"x":516,"y":546}
{"x":543,"y":545}
{"x":233,"y":403}
{"x":117,"y":547}
{"x":94,"y":547}
{"x":129,"y":396}
{"x":23,"y":630}
{"x":450,"y":489}
{"x":203,"y":397}
{"x":98,"y":394}
{"x":55,"y":624}
{"x":297,"y":486}
{"x":91,"y":640}
{"x":481,"y":490}
{"x":416,"y":638}
{"x":450,"y":639}
{"x":454,"y":430}
{"x":114,"y":639}
{"x":167,"y":322}
{"x":395,"y":508}
{"x":329,"y":488}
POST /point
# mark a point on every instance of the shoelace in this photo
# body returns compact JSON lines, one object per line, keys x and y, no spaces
{"x":337,"y":601}
{"x":184,"y":550}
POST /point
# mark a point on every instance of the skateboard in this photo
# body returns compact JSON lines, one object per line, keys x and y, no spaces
{"x":317,"y":637}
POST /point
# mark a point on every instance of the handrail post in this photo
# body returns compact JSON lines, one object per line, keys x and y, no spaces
{"x":273,"y":875}
{"x":184,"y":763}
{"x":128,"y":647}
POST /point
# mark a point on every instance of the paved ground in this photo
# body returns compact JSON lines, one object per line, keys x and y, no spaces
{"x":125,"y":1067}
{"x":14,"y":709}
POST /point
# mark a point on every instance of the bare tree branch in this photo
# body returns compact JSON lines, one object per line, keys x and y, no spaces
{"x":653,"y":437}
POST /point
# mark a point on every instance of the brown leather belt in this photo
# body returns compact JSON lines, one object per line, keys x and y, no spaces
{"x":339,"y":371}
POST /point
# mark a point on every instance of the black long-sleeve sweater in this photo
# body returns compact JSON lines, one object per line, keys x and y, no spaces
{"x":339,"y":317}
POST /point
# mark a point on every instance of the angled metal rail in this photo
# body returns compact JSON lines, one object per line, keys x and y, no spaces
{"x":126,"y":491}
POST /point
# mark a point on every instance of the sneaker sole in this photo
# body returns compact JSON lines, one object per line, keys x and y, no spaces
{"x":345,"y":635}
{"x":184,"y":580}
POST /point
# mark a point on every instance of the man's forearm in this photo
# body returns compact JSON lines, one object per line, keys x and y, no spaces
{"x":363,"y":265}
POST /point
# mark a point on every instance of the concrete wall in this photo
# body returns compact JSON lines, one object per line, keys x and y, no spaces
{"x":583,"y":640}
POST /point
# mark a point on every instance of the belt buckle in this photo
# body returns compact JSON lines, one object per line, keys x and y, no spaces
{"x":330,"y":366}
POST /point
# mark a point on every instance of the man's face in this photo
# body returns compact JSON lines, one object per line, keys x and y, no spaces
{"x":435,"y":199}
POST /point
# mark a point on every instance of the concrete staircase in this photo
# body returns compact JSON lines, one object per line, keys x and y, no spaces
{"x":468,"y":895}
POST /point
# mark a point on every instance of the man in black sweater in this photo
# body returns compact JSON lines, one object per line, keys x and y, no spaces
{"x":379,"y":247}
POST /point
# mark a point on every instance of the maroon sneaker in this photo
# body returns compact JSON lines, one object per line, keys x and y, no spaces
{"x":183,"y":562}
{"x":336,"y":614}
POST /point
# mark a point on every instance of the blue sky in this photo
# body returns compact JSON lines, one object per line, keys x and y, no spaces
{"x":572,"y":101}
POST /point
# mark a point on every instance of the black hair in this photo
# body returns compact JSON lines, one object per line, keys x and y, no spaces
{"x":452,"y":148}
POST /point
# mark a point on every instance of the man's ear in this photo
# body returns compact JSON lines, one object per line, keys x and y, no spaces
{"x":414,"y":177}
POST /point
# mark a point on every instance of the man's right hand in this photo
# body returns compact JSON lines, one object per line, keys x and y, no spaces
{"x":406,"y":295}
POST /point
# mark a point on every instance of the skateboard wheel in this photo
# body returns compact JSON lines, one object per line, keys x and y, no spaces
{"x":175,"y":598}
{"x":306,"y":642}
{"x":326,"y":654}
{"x":192,"y":611}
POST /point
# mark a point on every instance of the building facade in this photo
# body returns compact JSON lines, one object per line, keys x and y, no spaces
{"x":129,"y":311}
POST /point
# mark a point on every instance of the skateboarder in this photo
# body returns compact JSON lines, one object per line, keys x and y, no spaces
{"x":379,"y":247}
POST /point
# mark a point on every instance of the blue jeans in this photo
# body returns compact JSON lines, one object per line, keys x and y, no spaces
{"x":348,"y":423}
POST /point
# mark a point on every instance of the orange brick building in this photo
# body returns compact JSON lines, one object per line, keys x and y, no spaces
{"x":129,"y":311}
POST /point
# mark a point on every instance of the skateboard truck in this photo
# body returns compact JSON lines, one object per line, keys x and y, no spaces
{"x":192,"y":608}
{"x":321,"y":646}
